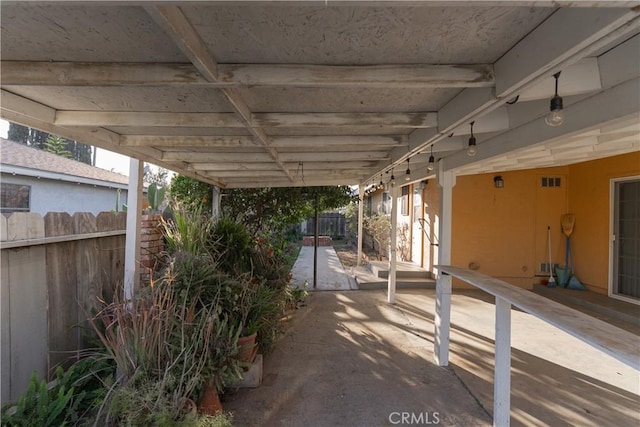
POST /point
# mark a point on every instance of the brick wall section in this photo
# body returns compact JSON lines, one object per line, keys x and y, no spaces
{"x":322,"y":241}
{"x":151,"y":245}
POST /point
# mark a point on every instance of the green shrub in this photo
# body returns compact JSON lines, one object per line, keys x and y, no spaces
{"x":230,"y":243}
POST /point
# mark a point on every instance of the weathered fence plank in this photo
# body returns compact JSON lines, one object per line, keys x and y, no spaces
{"x":27,"y":278}
{"x":111,"y":252}
{"x":44,"y":283}
{"x":61,"y":283}
{"x":88,"y":273}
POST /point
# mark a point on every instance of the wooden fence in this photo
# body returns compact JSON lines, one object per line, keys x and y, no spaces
{"x":53,"y":269}
{"x":330,"y":224}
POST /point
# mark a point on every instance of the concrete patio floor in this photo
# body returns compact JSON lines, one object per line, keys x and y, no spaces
{"x":331,"y":274}
{"x":350,"y":359}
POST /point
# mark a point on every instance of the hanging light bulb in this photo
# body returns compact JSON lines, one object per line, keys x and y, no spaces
{"x":555,"y":116}
{"x":432,"y":161}
{"x":407,"y":175}
{"x":472,"y":149}
{"x":392,"y":181}
{"x":381,"y":185}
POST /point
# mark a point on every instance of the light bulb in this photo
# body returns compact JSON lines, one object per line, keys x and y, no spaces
{"x":407,"y":176}
{"x":431,"y":162}
{"x":393,"y":180}
{"x":472,"y":150}
{"x":554,"y":118}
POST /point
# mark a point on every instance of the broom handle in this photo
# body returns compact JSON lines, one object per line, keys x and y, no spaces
{"x":549,"y":241}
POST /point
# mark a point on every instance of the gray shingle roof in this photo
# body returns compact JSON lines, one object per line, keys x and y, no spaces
{"x":15,"y":154}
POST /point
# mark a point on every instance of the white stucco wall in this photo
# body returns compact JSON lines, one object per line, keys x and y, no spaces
{"x":60,"y":196}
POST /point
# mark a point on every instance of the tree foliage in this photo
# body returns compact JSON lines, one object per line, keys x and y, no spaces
{"x":56,"y":145}
{"x":261,"y":207}
{"x":155,"y":175}
{"x":38,"y":139}
{"x":192,"y":194}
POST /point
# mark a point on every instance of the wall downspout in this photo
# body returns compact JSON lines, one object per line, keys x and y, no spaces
{"x":132,"y":240}
{"x":446,"y":180}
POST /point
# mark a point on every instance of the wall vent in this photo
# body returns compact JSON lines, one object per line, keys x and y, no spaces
{"x":550,"y":181}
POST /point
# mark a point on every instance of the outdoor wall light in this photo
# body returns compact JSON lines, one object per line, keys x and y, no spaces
{"x":407,"y":175}
{"x":498,"y":181}
{"x":432,"y":161}
{"x":423,"y":185}
{"x":472,"y":149}
{"x":555,"y":116}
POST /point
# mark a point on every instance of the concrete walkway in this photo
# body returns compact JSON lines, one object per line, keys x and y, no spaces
{"x":351,"y":359}
{"x":331,"y":274}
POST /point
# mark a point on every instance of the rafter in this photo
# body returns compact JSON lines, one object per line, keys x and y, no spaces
{"x":388,"y":120}
{"x":178,"y":27}
{"x":33,"y":73}
{"x":302,"y":166}
{"x":257,"y":120}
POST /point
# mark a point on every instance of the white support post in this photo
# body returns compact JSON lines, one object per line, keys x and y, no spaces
{"x":446,"y":181}
{"x":502,"y":374}
{"x":132,"y":240}
{"x":215,"y":201}
{"x":360,"y":221}
{"x":391,"y":292}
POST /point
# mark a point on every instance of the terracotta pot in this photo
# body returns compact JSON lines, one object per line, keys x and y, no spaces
{"x":188,"y":406}
{"x":247,"y":348}
{"x":210,"y":403}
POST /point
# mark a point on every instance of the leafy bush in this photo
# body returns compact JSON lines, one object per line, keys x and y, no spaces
{"x":165,"y":346}
{"x":230,"y":242}
{"x":73,"y":395}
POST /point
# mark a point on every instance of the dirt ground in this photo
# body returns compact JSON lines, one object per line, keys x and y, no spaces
{"x":348,"y":253}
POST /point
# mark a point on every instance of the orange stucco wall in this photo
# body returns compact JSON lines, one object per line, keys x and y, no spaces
{"x":589,"y":200}
{"x":503,"y":232}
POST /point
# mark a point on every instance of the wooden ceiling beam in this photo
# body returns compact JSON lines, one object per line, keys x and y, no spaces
{"x":258,"y":120}
{"x":294,"y":167}
{"x":197,"y":157}
{"x":418,"y":76}
{"x":387,"y":120}
{"x":177,"y":26}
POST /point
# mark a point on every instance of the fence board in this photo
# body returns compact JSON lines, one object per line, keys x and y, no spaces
{"x":28,"y":292}
{"x":111,"y":251}
{"x":61,"y":283}
{"x":88,"y":277}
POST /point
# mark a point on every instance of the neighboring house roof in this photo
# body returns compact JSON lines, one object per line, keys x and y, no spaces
{"x":20,"y":159}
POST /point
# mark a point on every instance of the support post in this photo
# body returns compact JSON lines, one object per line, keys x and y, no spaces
{"x":316,"y":237}
{"x":360,"y":221}
{"x":446,"y":181}
{"x":391,"y":292}
{"x":215,"y":201}
{"x":132,"y":239}
{"x":502,"y":373}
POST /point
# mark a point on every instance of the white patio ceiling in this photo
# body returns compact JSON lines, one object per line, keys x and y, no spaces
{"x":252,"y":94}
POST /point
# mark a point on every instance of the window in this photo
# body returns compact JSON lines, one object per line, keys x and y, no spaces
{"x":386,"y":203}
{"x":369,"y":204}
{"x":15,"y":198}
{"x":404,"y":200}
